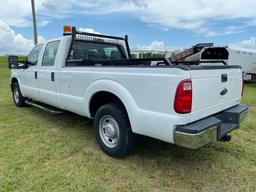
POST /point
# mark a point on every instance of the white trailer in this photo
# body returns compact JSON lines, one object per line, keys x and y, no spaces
{"x":244,"y":57}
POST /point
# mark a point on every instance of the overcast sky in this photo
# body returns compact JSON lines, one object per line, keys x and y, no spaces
{"x":149,"y":23}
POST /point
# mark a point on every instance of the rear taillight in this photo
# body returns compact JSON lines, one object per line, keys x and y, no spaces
{"x":183,"y":97}
{"x":242,"y":85}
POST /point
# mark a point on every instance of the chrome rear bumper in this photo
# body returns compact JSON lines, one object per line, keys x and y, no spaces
{"x":210,"y":129}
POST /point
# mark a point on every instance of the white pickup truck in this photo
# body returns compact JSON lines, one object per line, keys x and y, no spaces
{"x":188,"y":104}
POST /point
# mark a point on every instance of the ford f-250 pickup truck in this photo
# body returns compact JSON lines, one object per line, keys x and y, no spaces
{"x":189,"y":104}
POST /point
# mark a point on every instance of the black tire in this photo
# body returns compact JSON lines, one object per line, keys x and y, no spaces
{"x":18,"y":99}
{"x":112,"y":114}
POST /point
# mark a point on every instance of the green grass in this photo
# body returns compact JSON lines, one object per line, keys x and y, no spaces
{"x":45,"y":152}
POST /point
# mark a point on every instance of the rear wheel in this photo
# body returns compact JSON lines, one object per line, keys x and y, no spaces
{"x":18,"y":99}
{"x":113,"y":130}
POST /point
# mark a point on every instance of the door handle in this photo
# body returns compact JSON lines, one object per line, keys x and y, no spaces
{"x":224,"y":92}
{"x":52,"y":76}
{"x":35,"y":74}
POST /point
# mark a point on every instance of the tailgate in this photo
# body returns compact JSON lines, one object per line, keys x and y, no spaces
{"x":215,"y":88}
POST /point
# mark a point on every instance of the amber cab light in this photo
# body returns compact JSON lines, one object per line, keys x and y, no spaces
{"x":67,"y":29}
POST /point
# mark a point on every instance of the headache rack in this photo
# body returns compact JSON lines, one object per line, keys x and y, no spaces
{"x":81,"y":41}
{"x":94,"y":37}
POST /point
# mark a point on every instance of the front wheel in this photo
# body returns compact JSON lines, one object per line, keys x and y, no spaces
{"x":18,"y":99}
{"x":113,"y":130}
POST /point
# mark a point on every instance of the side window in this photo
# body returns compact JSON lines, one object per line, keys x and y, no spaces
{"x":34,"y":55}
{"x":50,"y":53}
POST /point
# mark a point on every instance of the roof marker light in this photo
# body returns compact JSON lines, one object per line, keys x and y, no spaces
{"x":67,"y":29}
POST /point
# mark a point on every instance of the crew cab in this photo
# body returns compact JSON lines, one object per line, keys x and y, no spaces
{"x":189,"y":104}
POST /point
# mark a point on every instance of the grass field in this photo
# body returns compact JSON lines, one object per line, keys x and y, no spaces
{"x":45,"y":152}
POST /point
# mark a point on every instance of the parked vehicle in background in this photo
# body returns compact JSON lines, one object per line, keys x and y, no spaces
{"x":189,"y":104}
{"x":246,"y":58}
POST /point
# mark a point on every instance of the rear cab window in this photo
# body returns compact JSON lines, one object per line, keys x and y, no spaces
{"x":96,"y":51}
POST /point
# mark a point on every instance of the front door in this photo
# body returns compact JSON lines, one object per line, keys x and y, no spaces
{"x":28,"y":77}
{"x":46,"y":75}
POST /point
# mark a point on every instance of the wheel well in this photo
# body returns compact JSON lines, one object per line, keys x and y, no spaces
{"x":101,"y":98}
{"x":13,"y":81}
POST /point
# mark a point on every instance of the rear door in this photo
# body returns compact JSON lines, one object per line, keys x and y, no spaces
{"x":215,"y":88}
{"x":46,"y":75}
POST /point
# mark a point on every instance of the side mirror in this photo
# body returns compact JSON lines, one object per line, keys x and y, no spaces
{"x":13,"y":62}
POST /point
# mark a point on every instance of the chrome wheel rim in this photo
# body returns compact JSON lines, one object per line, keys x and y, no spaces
{"x":109,"y":131}
{"x":16,"y":94}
